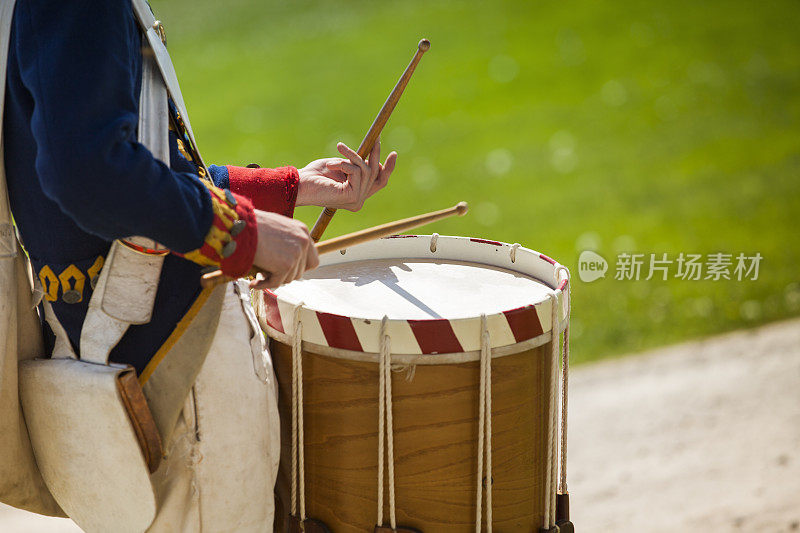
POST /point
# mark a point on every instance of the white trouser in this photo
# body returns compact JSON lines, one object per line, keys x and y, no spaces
{"x":220,"y":466}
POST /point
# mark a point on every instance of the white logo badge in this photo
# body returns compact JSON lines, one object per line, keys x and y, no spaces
{"x":591,"y":266}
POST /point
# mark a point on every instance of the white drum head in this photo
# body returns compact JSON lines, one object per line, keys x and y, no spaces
{"x":432,"y":292}
{"x":414,"y":289}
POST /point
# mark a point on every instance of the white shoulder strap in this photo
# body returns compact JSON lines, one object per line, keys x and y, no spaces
{"x":8,"y":245}
{"x":146,"y":21}
{"x":126,"y":290}
{"x":153,"y":111}
{"x":153,"y":123}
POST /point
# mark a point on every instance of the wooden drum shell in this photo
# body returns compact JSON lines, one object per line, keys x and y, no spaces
{"x":435,"y":441}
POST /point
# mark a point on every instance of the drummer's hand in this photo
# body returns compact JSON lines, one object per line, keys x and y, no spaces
{"x":284,"y":249}
{"x":344,"y":183}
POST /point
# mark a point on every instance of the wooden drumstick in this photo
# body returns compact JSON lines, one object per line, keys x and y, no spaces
{"x":390,"y":228}
{"x":375,"y":130}
{"x":213,"y":279}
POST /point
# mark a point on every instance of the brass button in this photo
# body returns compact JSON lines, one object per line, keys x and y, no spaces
{"x":237,"y":227}
{"x":185,"y":153}
{"x":162,"y":34}
{"x":71,"y":296}
{"x":231,"y":199}
{"x":229,"y":249}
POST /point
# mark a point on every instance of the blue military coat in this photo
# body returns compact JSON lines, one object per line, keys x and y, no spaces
{"x":78,"y":178}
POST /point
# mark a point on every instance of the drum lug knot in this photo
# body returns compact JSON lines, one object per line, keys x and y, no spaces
{"x":434,"y":238}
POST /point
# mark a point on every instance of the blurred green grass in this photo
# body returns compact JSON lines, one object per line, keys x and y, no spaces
{"x":618,"y":127}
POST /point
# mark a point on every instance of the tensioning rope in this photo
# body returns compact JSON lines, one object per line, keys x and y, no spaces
{"x":298,"y":454}
{"x":562,"y":482}
{"x":385,"y":424}
{"x":551,"y":469}
{"x":484,"y":430}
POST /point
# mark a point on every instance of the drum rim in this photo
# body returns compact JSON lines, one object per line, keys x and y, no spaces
{"x":429,"y":336}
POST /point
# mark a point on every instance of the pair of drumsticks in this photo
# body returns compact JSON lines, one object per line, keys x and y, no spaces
{"x":345,"y":241}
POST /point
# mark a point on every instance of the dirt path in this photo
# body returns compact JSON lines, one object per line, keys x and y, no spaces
{"x":699,"y":436}
{"x":703,"y":435}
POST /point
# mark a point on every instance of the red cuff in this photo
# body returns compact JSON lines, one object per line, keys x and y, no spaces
{"x":231,"y":240}
{"x":238,"y":264}
{"x":270,"y":189}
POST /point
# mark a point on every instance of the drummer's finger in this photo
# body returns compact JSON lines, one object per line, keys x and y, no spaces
{"x":386,"y":171}
{"x":343,"y":165}
{"x":290,"y":274}
{"x":374,"y":160}
{"x":353,"y":157}
{"x":302,"y":263}
{"x":279,"y":279}
{"x":388,"y":167}
{"x":262,"y":282}
{"x":312,"y":260}
{"x":299,"y":268}
{"x":260,"y":285}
